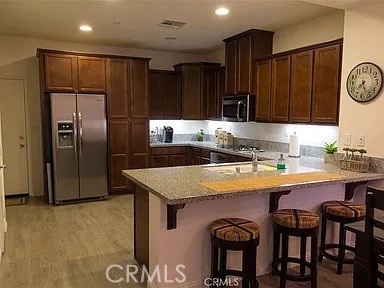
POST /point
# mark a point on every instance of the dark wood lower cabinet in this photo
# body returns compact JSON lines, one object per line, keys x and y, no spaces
{"x":168,"y":156}
{"x":177,"y":160}
{"x":139,"y":143}
{"x":158,"y":161}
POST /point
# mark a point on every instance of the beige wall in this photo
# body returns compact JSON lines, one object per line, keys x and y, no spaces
{"x":317,"y":30}
{"x":363,"y":41}
{"x":18,"y":60}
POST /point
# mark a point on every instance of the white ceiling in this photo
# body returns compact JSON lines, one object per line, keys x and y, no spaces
{"x":59,"y":20}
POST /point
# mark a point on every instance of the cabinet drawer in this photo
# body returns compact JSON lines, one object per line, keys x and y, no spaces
{"x":205,"y":153}
{"x":168,"y":150}
{"x":242,"y":159}
{"x":196,"y":151}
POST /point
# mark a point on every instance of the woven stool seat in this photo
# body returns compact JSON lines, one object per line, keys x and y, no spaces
{"x":235,"y":229}
{"x":344,"y":209}
{"x":296,"y":218}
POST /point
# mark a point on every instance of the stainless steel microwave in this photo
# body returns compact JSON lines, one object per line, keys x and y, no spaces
{"x":239,"y":108}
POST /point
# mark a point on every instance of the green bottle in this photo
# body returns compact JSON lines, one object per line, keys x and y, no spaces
{"x":280,"y":162}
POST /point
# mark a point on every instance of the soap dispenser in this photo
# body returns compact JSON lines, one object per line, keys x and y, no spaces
{"x":280,"y":162}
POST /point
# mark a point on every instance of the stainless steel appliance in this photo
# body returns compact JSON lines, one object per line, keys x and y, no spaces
{"x":168,"y":134}
{"x":239,"y":108}
{"x":79,"y":146}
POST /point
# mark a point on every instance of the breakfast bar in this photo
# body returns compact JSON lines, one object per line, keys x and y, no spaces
{"x":175,"y":205}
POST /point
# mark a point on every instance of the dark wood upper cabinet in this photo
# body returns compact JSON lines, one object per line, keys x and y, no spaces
{"x":60,"y":72}
{"x":117,"y":83}
{"x":262,"y":90}
{"x":138,"y":75}
{"x":156,"y":96}
{"x":326,"y":85}
{"x":172,"y":95}
{"x":91,"y":74}
{"x":164,"y":94}
{"x":194,"y":88}
{"x":280,"y":89}
{"x":301,"y":87}
{"x":220,"y":91}
{"x":240,"y":52}
{"x":231,"y":67}
{"x":210,"y":83}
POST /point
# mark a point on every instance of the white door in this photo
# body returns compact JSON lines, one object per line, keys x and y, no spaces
{"x":3,"y":222}
{"x":12,"y":108}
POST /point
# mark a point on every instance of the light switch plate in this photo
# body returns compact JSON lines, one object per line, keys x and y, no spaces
{"x":347,"y":139}
{"x":361,"y":141}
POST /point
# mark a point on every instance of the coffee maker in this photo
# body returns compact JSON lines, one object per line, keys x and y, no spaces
{"x":167,"y":134}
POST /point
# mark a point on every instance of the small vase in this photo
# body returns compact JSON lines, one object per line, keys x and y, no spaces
{"x":328,"y":158}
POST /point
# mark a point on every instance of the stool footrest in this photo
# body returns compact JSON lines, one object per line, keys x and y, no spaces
{"x":292,"y":277}
{"x":230,"y":272}
{"x":335,"y":258}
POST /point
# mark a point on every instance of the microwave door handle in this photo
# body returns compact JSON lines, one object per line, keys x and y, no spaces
{"x":74,"y":133}
{"x":238,"y":110}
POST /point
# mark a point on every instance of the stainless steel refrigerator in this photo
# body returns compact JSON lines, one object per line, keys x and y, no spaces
{"x":79,"y":146}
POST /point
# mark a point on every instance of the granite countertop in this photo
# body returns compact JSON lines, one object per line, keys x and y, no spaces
{"x":177,"y":185}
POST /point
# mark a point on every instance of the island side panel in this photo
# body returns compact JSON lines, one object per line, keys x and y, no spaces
{"x":189,"y":243}
{"x":141,"y":225}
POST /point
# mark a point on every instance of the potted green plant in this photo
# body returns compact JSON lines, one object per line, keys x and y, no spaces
{"x":346,"y":149}
{"x":362,"y":152}
{"x":329,"y":150}
{"x":200,"y":135}
{"x":353,"y":151}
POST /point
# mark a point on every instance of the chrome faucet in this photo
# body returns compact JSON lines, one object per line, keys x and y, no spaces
{"x":254,"y":159}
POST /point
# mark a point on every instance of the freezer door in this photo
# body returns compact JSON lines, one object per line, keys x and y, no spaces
{"x":65,"y":160}
{"x":92,"y":145}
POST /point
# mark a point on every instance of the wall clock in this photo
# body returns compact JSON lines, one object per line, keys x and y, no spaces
{"x":364,"y":82}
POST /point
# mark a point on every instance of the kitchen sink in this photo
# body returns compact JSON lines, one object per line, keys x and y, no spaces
{"x":245,"y":168}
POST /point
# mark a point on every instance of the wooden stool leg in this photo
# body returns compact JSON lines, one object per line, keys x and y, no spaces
{"x":314,"y":248}
{"x":214,"y":259}
{"x":223,"y":261}
{"x":323,"y":236}
{"x":303,"y":254}
{"x":284,"y":260}
{"x":341,"y":255}
{"x":276,"y":248}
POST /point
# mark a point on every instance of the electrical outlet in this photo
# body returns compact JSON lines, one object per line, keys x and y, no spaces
{"x":347,"y":139}
{"x":361,"y":141}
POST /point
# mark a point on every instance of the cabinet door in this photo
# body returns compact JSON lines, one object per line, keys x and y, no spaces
{"x":196,"y":160}
{"x":231,"y":67}
{"x":210,"y":94}
{"x":280,"y":89}
{"x":92,"y":74}
{"x":192,"y":96}
{"x":205,"y":160}
{"x":139,"y":89}
{"x":172,"y":95}
{"x":301,"y":87}
{"x":244,"y":67}
{"x":155,"y":95}
{"x":118,"y":106}
{"x":176,"y":160}
{"x":326,"y":84}
{"x":60,"y":72}
{"x":118,"y":154}
{"x":220,"y":92}
{"x":158,"y":161}
{"x":263,"y":90}
{"x":139,"y":143}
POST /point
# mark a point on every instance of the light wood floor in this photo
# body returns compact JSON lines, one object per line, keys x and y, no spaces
{"x":71,"y":246}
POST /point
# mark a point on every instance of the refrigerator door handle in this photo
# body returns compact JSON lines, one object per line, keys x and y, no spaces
{"x":75,"y":133}
{"x":80,"y":135}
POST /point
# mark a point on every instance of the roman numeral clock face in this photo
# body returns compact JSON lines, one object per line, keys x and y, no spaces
{"x":364,"y":82}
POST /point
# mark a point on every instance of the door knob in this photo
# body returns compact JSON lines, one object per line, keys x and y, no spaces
{"x":3,"y":166}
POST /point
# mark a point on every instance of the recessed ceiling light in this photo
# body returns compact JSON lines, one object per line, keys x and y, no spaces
{"x":85,"y":28}
{"x":170,"y":38}
{"x":222,"y":11}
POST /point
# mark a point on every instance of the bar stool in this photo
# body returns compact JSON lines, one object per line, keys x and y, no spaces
{"x":296,"y":223}
{"x":234,"y":234}
{"x":341,"y":212}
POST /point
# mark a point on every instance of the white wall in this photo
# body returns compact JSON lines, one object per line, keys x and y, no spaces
{"x":317,"y":30}
{"x":18,"y":60}
{"x":363,"y":41}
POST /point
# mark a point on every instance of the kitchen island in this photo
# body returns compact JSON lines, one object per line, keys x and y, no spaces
{"x":174,"y":206}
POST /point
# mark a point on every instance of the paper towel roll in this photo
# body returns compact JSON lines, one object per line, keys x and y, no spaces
{"x":294,"y":146}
